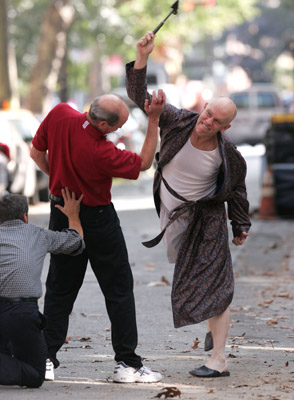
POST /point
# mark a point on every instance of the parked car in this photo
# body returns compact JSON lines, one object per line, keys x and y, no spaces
{"x":33,"y":183}
{"x":255,"y":108}
{"x":21,"y":168}
{"x":4,"y":174}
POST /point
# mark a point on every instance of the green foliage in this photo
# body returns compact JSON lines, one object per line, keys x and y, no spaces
{"x":24,"y":19}
{"x":116,"y":25}
{"x":187,"y":27}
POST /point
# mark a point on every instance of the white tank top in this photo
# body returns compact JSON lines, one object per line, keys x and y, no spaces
{"x":192,"y":173}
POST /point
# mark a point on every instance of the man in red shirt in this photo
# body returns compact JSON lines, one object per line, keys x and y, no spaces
{"x":71,"y":147}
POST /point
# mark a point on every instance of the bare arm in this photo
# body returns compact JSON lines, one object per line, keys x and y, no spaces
{"x":144,"y":47}
{"x":153,"y":110}
{"x":41,"y":159}
{"x":71,"y":209}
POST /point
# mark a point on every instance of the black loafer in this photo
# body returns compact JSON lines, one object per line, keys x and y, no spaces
{"x":208,"y":343}
{"x":204,"y":372}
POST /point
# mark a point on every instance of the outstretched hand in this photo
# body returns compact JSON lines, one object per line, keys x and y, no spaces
{"x":155,"y":107}
{"x":71,"y":206}
{"x":239,"y":240}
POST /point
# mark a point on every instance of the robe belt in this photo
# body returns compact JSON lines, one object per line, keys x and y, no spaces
{"x":173,"y":215}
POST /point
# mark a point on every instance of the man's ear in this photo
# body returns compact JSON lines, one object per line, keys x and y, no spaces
{"x":25,"y":218}
{"x":225,"y":128}
{"x":102,"y":126}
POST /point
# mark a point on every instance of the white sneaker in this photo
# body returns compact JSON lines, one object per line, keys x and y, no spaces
{"x":49,"y":374}
{"x":125,"y":374}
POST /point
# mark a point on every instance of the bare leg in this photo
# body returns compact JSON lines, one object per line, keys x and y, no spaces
{"x":219,"y":326}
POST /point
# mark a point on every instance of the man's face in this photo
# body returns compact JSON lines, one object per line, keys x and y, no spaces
{"x":212,"y":119}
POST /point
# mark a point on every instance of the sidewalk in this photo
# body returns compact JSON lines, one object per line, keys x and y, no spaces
{"x":260,"y":347}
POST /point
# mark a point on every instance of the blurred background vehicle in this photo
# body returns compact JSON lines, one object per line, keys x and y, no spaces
{"x":4,"y":174}
{"x":255,"y":107}
{"x":18,"y":129}
{"x":21,"y":168}
{"x":131,"y":136}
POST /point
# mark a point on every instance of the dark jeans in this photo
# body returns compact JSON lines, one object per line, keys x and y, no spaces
{"x":106,"y":250}
{"x":23,"y":349}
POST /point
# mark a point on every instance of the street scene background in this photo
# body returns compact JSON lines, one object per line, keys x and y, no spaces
{"x":54,"y":51}
{"x":260,"y":347}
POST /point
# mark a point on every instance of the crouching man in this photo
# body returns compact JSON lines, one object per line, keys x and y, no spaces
{"x":23,"y":247}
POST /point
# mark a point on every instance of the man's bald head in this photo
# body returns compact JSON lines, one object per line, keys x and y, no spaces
{"x":109,"y":108}
{"x":226,"y":106}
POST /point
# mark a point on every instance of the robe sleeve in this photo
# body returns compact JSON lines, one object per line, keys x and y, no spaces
{"x":238,"y":205}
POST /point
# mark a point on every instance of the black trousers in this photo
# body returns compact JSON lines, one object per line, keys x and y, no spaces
{"x":107,"y":253}
{"x":23,"y":349}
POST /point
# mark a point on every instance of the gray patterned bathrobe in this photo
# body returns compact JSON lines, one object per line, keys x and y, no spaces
{"x":203,"y":282}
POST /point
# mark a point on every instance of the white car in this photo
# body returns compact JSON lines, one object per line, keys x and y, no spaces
{"x":18,"y":128}
{"x":255,"y":107}
{"x":21,"y":168}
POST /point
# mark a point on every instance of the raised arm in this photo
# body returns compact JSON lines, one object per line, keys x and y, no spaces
{"x":153,"y":109}
{"x":144,"y":47}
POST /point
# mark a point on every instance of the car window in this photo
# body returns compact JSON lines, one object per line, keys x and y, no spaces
{"x":265,"y":100}
{"x":27,"y":127}
{"x":241,"y":100}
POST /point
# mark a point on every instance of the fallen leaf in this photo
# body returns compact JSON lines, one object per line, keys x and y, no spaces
{"x":164,"y":280}
{"x":85,"y":339}
{"x":285,"y":294}
{"x":83,"y":315}
{"x":268,"y":301}
{"x":272,"y":321}
{"x":287,"y":364}
{"x":67,"y":339}
{"x":268,"y":273}
{"x":169,"y":392}
{"x":273,"y":245}
{"x":195,"y":345}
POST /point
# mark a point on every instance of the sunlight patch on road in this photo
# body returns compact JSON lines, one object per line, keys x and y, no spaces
{"x":82,"y":381}
{"x":266,"y":348}
{"x":40,"y":208}
{"x":120,"y":204}
{"x":140,"y":203}
{"x":152,"y":358}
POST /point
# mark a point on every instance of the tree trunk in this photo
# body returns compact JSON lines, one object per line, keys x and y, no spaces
{"x":62,"y":79}
{"x":51,"y":50}
{"x":5,"y":90}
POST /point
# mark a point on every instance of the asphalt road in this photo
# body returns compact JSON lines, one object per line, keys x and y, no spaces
{"x":260,"y":347}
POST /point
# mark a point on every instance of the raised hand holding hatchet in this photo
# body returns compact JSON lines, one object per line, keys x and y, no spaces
{"x":144,"y":47}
